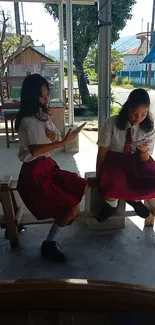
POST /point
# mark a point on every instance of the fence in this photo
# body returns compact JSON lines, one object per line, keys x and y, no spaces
{"x":137,"y":77}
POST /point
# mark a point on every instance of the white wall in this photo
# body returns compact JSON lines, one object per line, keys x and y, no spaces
{"x":132,"y":63}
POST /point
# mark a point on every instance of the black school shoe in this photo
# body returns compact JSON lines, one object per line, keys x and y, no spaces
{"x":70,"y":223}
{"x":140,"y":209}
{"x":106,"y":212}
{"x":51,"y":251}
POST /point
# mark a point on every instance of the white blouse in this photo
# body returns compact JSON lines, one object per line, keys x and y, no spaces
{"x":33,"y":131}
{"x":110,"y":136}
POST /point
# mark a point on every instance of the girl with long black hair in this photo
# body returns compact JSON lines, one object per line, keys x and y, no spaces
{"x":125,"y":169}
{"x":46,"y":190}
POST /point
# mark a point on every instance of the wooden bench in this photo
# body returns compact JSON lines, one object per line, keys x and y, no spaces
{"x":12,"y":213}
{"x":92,"y":202}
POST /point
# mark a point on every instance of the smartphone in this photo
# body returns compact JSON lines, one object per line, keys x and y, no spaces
{"x":79,"y":128}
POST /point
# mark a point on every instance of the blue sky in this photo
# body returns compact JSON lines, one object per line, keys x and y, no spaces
{"x":45,"y":30}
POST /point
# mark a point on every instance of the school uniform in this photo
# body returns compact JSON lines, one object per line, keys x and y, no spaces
{"x":46,"y":190}
{"x":124,"y":175}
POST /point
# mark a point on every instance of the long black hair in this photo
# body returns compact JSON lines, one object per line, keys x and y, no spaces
{"x":30,"y":93}
{"x":136,"y":98}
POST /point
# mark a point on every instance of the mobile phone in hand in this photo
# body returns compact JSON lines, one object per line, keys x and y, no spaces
{"x":79,"y":128}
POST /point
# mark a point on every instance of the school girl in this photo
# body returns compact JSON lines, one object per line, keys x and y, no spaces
{"x":46,"y":190}
{"x":125,"y":169}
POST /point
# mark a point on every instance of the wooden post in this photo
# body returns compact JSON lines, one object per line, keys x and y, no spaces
{"x":7,"y":132}
{"x":9,"y":213}
{"x":12,"y":129}
{"x":149,"y":222}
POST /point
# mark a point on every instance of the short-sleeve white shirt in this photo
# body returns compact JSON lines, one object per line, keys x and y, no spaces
{"x":33,"y":131}
{"x":114,"y":139}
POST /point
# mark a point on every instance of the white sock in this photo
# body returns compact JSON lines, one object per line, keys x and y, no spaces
{"x":54,"y":232}
{"x":113,"y":204}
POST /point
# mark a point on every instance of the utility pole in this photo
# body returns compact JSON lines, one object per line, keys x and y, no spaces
{"x":104,"y":61}
{"x":142,"y":23}
{"x":152,"y":31}
{"x":147,"y":51}
{"x":17,"y":18}
{"x":61,"y":46}
{"x":25,"y":27}
{"x":22,"y":12}
{"x":69,"y":34}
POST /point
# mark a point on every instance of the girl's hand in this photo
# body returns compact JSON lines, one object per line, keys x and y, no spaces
{"x":142,"y":147}
{"x":70,"y":136}
{"x":52,"y":136}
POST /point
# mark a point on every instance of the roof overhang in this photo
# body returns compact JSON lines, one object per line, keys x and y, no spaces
{"x":80,"y":2}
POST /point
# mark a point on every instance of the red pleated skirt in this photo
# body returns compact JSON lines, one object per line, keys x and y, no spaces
{"x":47,"y":191}
{"x":127,"y":177}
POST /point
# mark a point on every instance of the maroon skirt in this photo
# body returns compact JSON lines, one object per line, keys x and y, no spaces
{"x":47,"y":191}
{"x":127,"y":177}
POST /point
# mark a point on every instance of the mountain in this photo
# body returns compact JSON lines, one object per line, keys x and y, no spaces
{"x":56,"y":54}
{"x":126,"y":43}
{"x":123,"y":44}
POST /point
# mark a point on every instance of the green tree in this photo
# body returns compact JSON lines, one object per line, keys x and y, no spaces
{"x":7,"y":46}
{"x":90,"y":59}
{"x":85,"y":32}
{"x":116,"y":60}
{"x":89,"y":64}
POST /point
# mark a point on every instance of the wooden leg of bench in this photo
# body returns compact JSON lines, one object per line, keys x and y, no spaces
{"x":9,"y":216}
{"x":149,"y":222}
{"x":121,"y":207}
{"x":14,"y":202}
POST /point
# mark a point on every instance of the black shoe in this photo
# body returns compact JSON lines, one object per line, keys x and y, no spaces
{"x":50,"y":250}
{"x":140,"y":209}
{"x":70,"y":223}
{"x":106,"y":212}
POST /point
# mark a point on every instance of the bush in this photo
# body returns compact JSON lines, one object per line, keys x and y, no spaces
{"x":117,"y":81}
{"x":124,"y":82}
{"x":115,"y":110}
{"x":92,"y":104}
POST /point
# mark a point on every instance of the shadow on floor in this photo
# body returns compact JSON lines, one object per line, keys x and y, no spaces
{"x":125,"y":256}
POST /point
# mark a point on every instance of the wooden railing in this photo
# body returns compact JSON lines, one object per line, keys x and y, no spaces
{"x":74,"y":302}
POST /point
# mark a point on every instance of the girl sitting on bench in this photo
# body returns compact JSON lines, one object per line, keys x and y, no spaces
{"x":46,"y":190}
{"x":125,"y":169}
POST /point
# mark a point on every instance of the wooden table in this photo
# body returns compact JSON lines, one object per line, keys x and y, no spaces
{"x":9,"y":110}
{"x":10,"y":115}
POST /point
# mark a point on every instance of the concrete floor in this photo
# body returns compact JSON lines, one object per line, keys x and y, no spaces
{"x":126,"y":255}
